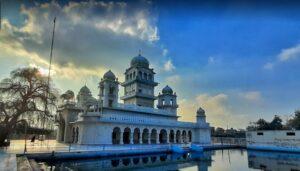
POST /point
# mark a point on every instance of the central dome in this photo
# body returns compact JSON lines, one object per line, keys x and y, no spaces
{"x":139,"y":61}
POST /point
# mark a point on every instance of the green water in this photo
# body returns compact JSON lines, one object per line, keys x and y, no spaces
{"x":227,"y":160}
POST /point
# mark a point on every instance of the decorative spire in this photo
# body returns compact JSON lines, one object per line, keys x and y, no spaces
{"x":140,"y":52}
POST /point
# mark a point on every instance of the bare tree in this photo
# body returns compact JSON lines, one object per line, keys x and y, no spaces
{"x":25,"y":93}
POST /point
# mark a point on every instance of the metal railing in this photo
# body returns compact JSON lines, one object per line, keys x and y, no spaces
{"x":228,"y":141}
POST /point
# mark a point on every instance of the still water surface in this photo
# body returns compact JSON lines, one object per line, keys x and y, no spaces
{"x":218,"y":160}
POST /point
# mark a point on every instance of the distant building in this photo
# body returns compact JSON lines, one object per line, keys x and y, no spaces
{"x":136,"y":121}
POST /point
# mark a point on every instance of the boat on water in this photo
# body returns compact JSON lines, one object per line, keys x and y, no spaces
{"x":274,"y":140}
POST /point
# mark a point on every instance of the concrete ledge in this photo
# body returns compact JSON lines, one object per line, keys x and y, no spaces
{"x":92,"y":154}
{"x":274,"y":148}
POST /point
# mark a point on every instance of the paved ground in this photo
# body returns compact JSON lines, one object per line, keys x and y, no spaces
{"x":8,"y":162}
{"x":18,"y":146}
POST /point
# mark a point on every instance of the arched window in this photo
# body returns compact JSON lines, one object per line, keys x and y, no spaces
{"x":190,"y":136}
{"x":136,"y":136}
{"x":111,"y":90}
{"x":145,"y":160}
{"x":126,"y":135}
{"x":163,"y":137}
{"x":136,"y":160}
{"x":116,"y":135}
{"x":145,"y":76}
{"x":178,"y":137}
{"x":184,"y":139}
{"x":163,"y":101}
{"x":149,"y":77}
{"x":145,"y":136}
{"x":73,"y":135}
{"x":126,"y":161}
{"x":134,"y":74}
{"x":171,"y":136}
{"x":115,"y":163}
{"x":153,"y":136}
{"x":140,"y":74}
{"x":77,"y":135}
{"x":153,"y":159}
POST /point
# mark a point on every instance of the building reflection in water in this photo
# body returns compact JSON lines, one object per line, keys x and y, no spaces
{"x":273,"y":160}
{"x":149,"y":162}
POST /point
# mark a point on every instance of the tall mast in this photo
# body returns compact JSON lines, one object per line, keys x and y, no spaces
{"x":49,"y":71}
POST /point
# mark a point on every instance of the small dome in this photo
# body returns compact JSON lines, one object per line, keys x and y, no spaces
{"x":200,"y":112}
{"x":167,"y":90}
{"x":109,"y":75}
{"x":85,"y":90}
{"x":139,"y":61}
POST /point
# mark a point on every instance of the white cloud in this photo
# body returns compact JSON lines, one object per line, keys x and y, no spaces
{"x":284,"y":56}
{"x":168,"y":66}
{"x":87,"y":34}
{"x":253,"y":96}
{"x":289,"y":53}
{"x":165,"y":52}
{"x":173,"y":80}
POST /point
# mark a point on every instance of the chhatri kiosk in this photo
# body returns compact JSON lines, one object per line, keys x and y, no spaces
{"x":90,"y":121}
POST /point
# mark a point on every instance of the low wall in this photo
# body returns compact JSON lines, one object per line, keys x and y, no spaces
{"x":279,"y":140}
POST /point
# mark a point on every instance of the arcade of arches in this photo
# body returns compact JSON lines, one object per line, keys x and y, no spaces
{"x":150,"y":136}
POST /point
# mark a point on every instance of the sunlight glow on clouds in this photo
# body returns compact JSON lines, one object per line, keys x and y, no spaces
{"x":216,"y":107}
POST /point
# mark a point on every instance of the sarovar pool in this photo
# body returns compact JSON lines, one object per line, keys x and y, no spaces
{"x":217,"y":160}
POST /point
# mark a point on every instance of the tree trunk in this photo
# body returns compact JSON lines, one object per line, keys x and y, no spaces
{"x":4,"y":134}
{"x":7,"y":130}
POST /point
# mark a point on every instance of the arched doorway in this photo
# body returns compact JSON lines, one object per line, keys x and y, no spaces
{"x":184,"y":139}
{"x":145,"y":136}
{"x":178,"y":136}
{"x":153,"y":136}
{"x":136,"y":136}
{"x":163,"y":136}
{"x":190,"y":136}
{"x":171,"y":136}
{"x":116,"y":135}
{"x":126,"y":136}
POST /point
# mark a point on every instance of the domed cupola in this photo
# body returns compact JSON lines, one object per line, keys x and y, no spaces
{"x":85,"y":90}
{"x":167,"y":100}
{"x":109,"y":75}
{"x":201,"y":112}
{"x":84,"y":97}
{"x":167,"y":90}
{"x":201,"y":117}
{"x":109,"y":89}
{"x":139,"y":61}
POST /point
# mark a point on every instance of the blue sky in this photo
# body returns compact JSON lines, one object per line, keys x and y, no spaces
{"x":236,"y":59}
